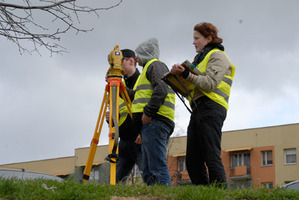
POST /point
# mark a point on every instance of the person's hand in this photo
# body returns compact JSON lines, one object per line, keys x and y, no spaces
{"x":145,"y":119}
{"x":177,"y":69}
{"x":138,"y":139}
{"x":107,"y":115}
{"x":106,"y":77}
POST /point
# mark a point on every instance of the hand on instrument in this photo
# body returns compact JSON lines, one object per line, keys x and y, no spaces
{"x":177,"y":69}
{"x":106,"y":77}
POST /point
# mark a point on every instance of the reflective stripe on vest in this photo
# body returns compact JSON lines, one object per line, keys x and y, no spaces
{"x":220,"y":94}
{"x":143,"y":92}
{"x":123,"y":111}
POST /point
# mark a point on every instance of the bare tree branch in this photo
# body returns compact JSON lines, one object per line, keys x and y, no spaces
{"x":19,"y":22}
{"x":28,"y":7}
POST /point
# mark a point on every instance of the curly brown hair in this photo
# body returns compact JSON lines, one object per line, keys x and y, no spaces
{"x":208,"y":29}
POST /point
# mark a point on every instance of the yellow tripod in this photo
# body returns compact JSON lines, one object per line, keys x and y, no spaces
{"x":113,"y":88}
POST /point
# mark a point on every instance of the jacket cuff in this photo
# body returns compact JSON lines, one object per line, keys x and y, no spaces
{"x":148,"y":112}
{"x":185,"y":74}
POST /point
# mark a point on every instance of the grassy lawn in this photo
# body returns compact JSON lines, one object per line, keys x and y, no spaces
{"x":47,"y":189}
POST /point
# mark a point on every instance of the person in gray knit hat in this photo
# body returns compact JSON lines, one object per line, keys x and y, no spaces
{"x":147,"y":50}
{"x":153,"y":113}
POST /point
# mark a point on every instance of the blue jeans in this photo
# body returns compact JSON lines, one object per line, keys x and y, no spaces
{"x":155,"y":138}
{"x":129,"y":155}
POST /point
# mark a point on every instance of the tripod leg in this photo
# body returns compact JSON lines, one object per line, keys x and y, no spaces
{"x":114,"y":132}
{"x":95,"y":139}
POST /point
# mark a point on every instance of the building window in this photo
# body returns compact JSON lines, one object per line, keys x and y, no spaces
{"x":290,"y":156}
{"x":268,"y":185}
{"x":182,"y":164}
{"x":241,"y":159}
{"x":267,"y":158}
{"x":94,"y":175}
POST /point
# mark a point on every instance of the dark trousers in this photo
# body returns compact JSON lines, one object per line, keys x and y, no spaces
{"x":129,"y":155}
{"x":204,"y":143}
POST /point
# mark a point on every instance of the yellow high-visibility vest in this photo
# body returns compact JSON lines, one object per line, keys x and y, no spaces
{"x":222,"y":92}
{"x":143,"y":92}
{"x":123,"y":111}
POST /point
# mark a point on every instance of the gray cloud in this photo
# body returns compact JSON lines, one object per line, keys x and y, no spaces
{"x":49,"y":105}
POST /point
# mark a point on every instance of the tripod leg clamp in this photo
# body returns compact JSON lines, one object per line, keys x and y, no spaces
{"x":108,"y":158}
{"x":85,"y":177}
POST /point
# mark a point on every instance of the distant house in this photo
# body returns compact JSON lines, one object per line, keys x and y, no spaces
{"x":252,"y":157}
{"x":258,"y":157}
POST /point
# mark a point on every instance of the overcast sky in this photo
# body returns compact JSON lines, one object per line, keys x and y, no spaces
{"x":50,"y":105}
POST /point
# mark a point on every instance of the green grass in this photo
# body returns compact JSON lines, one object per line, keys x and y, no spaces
{"x":47,"y":189}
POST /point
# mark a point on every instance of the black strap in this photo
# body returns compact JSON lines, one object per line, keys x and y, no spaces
{"x":182,"y":99}
{"x":110,"y":156}
{"x":179,"y":81}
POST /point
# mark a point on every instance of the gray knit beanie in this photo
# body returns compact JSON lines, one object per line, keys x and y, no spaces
{"x":148,"y":50}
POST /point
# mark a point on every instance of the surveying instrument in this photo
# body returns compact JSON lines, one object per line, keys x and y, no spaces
{"x":113,"y":88}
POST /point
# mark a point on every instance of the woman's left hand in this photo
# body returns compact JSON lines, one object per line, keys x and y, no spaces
{"x":177,"y":69}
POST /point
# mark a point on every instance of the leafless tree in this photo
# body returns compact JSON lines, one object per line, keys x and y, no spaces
{"x":21,"y":21}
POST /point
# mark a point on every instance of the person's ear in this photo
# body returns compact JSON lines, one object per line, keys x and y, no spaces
{"x":210,"y":39}
{"x":131,"y":60}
